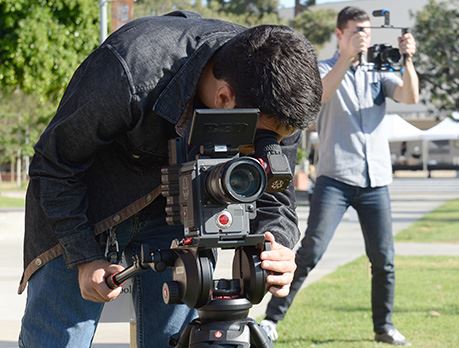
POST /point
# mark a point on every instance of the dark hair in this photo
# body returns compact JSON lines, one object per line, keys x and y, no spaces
{"x":350,"y":13}
{"x":274,"y":69}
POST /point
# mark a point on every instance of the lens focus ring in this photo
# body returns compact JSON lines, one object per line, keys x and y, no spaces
{"x":241,"y":180}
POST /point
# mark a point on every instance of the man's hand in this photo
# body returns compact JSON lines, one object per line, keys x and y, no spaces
{"x":357,"y":43}
{"x":91,"y":278}
{"x":281,"y":260}
{"x":407,"y":44}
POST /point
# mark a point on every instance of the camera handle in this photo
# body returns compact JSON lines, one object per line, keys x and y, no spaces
{"x":403,"y":29}
{"x":157,"y":261}
{"x":405,"y":56}
{"x":360,"y":53}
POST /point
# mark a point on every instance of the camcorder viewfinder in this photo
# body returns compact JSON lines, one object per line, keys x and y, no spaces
{"x":383,"y":57}
{"x":214,"y":194}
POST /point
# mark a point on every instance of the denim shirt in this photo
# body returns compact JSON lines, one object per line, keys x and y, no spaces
{"x":98,"y":161}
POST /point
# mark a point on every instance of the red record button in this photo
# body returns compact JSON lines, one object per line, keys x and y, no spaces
{"x":224,"y":219}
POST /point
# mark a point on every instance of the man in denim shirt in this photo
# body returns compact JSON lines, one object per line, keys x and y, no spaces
{"x":96,"y":168}
{"x":354,"y":167}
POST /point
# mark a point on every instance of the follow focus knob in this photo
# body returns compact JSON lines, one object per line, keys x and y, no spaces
{"x":171,"y":292}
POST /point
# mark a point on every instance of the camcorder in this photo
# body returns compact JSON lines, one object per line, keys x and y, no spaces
{"x":214,"y":195}
{"x":211,"y":185}
{"x":383,"y":57}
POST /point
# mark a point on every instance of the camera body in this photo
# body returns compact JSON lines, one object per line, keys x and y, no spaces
{"x":384,"y":57}
{"x":214,"y":195}
{"x":207,"y":209}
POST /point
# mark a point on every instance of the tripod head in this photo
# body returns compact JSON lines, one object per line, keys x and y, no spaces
{"x":223,"y":304}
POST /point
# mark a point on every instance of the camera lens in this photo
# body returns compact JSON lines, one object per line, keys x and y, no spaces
{"x":244,"y":180}
{"x":241,"y":180}
{"x":390,"y":55}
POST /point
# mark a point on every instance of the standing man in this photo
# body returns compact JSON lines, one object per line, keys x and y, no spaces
{"x":95,"y":175}
{"x":354,"y":167}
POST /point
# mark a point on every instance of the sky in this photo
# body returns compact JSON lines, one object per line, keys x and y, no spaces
{"x":291,"y":3}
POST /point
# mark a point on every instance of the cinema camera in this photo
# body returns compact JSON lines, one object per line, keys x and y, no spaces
{"x":383,"y":57}
{"x":214,"y":195}
{"x":211,"y":188}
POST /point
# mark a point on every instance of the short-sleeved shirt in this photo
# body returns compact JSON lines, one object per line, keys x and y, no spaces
{"x":353,"y":144}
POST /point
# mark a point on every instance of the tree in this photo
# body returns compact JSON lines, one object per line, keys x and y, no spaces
{"x":316,"y":25}
{"x":257,"y":11}
{"x":159,"y":7}
{"x":43,"y":41}
{"x":22,"y":118}
{"x":258,"y":8}
{"x":300,"y":6}
{"x":437,"y":57}
{"x":41,"y":44}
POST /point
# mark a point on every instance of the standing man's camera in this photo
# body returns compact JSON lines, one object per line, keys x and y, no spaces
{"x":383,"y":56}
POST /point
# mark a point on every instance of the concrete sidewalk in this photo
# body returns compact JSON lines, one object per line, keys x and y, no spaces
{"x":411,"y":199}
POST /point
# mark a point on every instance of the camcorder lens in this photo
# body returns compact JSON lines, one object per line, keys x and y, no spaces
{"x":241,"y":180}
{"x":382,"y":55}
{"x":391,"y":55}
{"x":244,"y":180}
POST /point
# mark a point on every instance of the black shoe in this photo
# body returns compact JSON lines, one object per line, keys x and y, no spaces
{"x":392,"y":336}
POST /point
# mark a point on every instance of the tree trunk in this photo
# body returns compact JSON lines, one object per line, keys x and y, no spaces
{"x":19,"y":169}
{"x":299,"y":7}
{"x":12,"y":169}
{"x":26,"y":161}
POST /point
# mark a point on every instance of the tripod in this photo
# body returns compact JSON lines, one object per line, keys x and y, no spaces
{"x":223,"y":304}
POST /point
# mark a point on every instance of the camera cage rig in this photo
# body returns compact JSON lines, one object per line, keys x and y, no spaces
{"x":213,"y":145}
{"x":377,"y":63}
{"x":223,"y":304}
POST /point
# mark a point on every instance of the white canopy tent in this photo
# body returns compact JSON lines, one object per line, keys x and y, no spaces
{"x":448,"y":129}
{"x":397,"y":129}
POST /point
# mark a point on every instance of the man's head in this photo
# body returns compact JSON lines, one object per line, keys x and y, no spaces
{"x":268,"y":67}
{"x":347,"y":23}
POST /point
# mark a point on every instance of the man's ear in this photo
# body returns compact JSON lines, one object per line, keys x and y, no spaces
{"x":225,"y":98}
{"x":338,"y":33}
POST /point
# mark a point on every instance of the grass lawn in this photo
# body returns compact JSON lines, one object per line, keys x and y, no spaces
{"x":335,"y":312}
{"x":9,"y":202}
{"x":441,"y":225}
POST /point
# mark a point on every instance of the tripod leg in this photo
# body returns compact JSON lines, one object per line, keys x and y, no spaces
{"x":258,"y":338}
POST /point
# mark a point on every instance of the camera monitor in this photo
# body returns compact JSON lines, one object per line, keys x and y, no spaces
{"x":230,"y":127}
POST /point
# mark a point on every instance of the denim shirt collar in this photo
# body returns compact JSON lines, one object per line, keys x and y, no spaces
{"x":178,"y":93}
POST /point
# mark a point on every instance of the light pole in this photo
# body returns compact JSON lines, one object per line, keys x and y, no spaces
{"x":103,"y":20}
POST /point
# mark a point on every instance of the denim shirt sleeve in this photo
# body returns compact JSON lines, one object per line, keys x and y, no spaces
{"x":93,"y":111}
{"x":276,"y":211}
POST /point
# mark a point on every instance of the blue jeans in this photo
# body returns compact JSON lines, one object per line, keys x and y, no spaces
{"x":57,"y":316}
{"x":330,"y":201}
